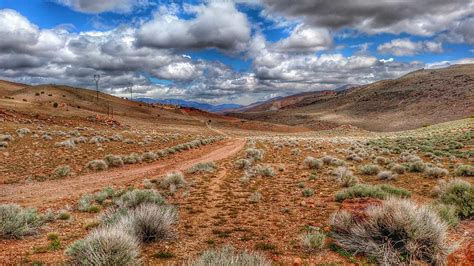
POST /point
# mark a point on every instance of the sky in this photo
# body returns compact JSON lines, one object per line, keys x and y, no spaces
{"x":229,"y":51}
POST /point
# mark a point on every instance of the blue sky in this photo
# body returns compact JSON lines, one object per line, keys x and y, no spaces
{"x":228,"y":51}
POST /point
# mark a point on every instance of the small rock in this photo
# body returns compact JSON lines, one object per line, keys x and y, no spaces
{"x":297,"y":262}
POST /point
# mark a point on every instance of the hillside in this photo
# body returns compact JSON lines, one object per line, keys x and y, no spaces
{"x":420,"y":98}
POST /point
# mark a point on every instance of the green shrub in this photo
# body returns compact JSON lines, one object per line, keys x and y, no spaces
{"x":265,"y":171}
{"x":16,"y":222}
{"x":370,"y":169}
{"x":460,"y":194}
{"x":230,"y":257}
{"x":202,"y":168}
{"x":105,"y":246}
{"x":381,"y":160}
{"x":62,"y":171}
{"x":254,"y":154}
{"x":132,"y":158}
{"x":386,"y":175}
{"x":447,"y":213}
{"x":175,"y":179}
{"x":398,"y":169}
{"x":465,"y":170}
{"x":97,"y":165}
{"x":416,"y":166}
{"x":435,"y":172}
{"x":243,"y":164}
{"x":398,"y":232}
{"x":113,"y":160}
{"x":371,"y":191}
{"x":134,"y":198}
{"x":344,"y":176}
{"x":313,"y":240}
{"x":312,"y":163}
{"x":308,"y":192}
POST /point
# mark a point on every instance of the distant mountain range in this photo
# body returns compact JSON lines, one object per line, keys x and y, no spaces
{"x":201,"y":106}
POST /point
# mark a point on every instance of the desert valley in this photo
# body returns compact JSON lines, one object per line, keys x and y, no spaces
{"x":166,"y":133}
{"x":221,"y":180}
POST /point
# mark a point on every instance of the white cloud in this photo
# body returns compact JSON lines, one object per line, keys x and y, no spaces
{"x":16,"y":30}
{"x":216,"y":24}
{"x":406,"y":47}
{"x":305,"y":39}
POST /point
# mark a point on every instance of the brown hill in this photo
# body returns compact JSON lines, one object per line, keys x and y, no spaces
{"x":69,"y":105}
{"x":423,"y":97}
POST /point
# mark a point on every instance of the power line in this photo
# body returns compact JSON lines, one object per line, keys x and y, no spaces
{"x":96,"y":79}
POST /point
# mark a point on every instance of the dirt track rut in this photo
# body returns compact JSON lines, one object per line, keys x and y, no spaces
{"x":54,"y":191}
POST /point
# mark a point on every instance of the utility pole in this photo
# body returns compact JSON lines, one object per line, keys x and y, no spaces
{"x":130,"y":87}
{"x":96,"y":79}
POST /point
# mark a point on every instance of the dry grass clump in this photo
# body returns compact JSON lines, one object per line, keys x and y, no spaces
{"x":354,"y":157}
{"x":254,"y":154}
{"x":16,"y":222}
{"x":3,"y":144}
{"x":313,"y":163}
{"x":416,"y":166}
{"x":132,"y":158}
{"x":465,"y":170}
{"x":202,"y":168}
{"x":265,"y":171}
{"x":21,"y":132}
{"x":344,"y":176}
{"x":98,"y":139}
{"x":460,"y":194}
{"x":149,"y":156}
{"x":255,"y":197}
{"x":387,"y":175}
{"x":243,"y":164}
{"x":332,"y":161}
{"x":295,"y":152}
{"x":149,"y":222}
{"x":398,"y":169}
{"x":105,"y":246}
{"x":230,"y":257}
{"x":62,"y":171}
{"x":113,"y":160}
{"x":435,"y":172}
{"x":134,"y":198}
{"x":173,"y":179}
{"x":97,"y":165}
{"x":6,"y":137}
{"x":68,"y":143}
{"x":398,"y":232}
{"x":381,"y":160}
{"x":313,"y":240}
{"x":370,"y":169}
{"x":371,"y":191}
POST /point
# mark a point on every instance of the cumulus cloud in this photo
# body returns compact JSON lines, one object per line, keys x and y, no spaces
{"x":406,"y":47}
{"x":179,"y":71}
{"x":306,"y":39}
{"x":95,"y":6}
{"x":462,"y":32}
{"x":423,"y":17}
{"x":16,"y":30}
{"x":217,"y":24}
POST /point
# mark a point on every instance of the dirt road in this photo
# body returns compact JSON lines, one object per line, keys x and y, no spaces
{"x":51,"y":192}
